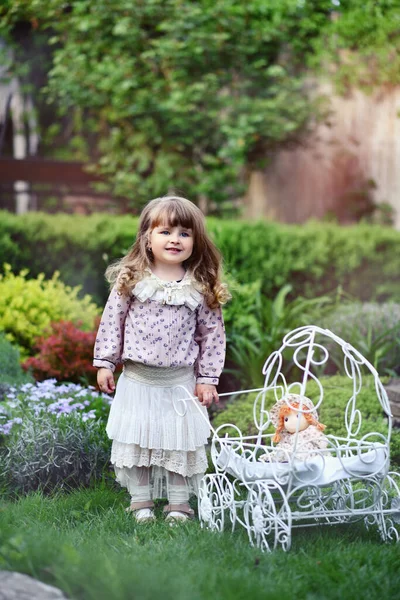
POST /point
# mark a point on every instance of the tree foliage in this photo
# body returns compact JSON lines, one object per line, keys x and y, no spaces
{"x":360,"y":46}
{"x":194,"y":95}
{"x":178,"y":93}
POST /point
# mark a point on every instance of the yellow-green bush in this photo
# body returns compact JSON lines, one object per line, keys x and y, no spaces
{"x":28,"y":306}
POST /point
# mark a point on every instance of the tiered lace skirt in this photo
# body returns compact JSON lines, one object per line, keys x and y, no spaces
{"x":152,"y":424}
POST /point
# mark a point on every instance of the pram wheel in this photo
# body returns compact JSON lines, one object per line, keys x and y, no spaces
{"x":216,"y":496}
{"x":267,"y":516}
{"x":389,"y":517}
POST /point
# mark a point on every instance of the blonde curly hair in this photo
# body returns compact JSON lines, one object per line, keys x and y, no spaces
{"x":204,"y":264}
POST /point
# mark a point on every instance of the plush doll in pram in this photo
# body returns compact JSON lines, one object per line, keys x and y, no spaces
{"x":297,"y":430}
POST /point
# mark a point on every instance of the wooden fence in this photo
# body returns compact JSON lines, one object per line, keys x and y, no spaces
{"x":52,"y":186}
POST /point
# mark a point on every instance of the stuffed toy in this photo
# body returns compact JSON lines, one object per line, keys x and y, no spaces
{"x":297,"y":429}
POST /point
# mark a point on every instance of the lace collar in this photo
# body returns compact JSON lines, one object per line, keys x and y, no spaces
{"x":186,"y":291}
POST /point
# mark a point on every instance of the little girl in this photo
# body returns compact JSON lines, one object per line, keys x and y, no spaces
{"x":163,"y":320}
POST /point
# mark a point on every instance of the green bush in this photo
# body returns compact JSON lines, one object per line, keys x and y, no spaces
{"x":79,"y":247}
{"x":10,"y":368}
{"x":314,"y":258}
{"x":256,"y":326}
{"x":373,"y":329}
{"x":239,"y":312}
{"x":28,"y":306}
{"x":337,"y":391}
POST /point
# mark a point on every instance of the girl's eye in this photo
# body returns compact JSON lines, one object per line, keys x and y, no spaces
{"x":165,"y":231}
{"x":286,"y":419}
{"x":185,"y":234}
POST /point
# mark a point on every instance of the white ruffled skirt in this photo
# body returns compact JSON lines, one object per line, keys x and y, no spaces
{"x":152,"y":426}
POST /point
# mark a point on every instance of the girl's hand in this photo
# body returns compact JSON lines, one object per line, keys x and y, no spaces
{"x":206,"y":394}
{"x":105,"y":380}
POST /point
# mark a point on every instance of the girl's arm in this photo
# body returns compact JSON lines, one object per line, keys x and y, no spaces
{"x":210,"y":336}
{"x":110,"y":335}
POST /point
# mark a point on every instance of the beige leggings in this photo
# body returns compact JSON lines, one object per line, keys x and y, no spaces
{"x":139,"y":478}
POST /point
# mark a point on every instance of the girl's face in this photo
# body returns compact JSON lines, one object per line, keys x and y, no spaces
{"x":171,"y":244}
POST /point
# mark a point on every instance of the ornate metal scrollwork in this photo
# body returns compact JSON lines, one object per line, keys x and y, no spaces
{"x":344,"y":482}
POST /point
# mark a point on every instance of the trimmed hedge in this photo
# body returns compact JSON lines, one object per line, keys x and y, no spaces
{"x":315,"y":258}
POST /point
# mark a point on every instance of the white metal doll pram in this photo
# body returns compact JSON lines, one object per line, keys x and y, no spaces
{"x":344,"y":479}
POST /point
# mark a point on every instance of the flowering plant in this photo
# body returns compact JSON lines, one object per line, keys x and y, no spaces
{"x":35,"y":400}
{"x":52,"y":436}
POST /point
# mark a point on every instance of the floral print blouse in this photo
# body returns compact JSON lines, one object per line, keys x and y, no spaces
{"x":162,"y":324}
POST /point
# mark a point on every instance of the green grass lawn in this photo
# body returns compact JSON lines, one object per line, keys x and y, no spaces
{"x":85,"y":543}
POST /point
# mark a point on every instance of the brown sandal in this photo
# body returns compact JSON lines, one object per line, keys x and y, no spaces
{"x":142,"y":511}
{"x":178,"y":512}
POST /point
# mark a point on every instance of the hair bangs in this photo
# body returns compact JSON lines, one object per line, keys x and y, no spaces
{"x":173,"y":214}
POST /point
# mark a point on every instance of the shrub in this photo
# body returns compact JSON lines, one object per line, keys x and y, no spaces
{"x":337,"y":391}
{"x":52,"y":436}
{"x":52,"y":453}
{"x":28,"y":306}
{"x":10,"y":368}
{"x":65,"y":354}
{"x":239,"y":312}
{"x":252,"y":338}
{"x":373,"y":329}
{"x":79,"y":247}
{"x":315,"y":258}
